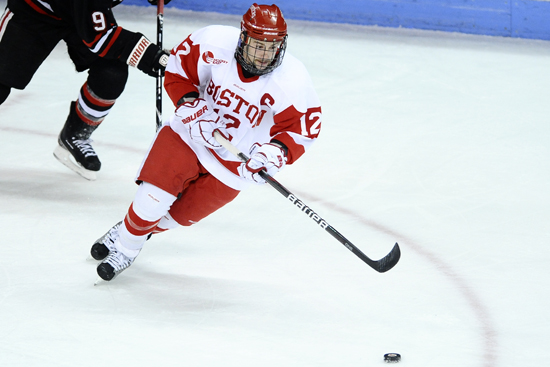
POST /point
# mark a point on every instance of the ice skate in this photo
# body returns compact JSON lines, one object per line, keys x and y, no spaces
{"x":105,"y":244}
{"x":66,"y":153}
{"x":75,"y":149}
{"x":113,"y":265}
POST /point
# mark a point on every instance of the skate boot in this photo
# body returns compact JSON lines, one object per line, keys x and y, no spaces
{"x":113,"y":265}
{"x":105,"y":244}
{"x":74,"y":148}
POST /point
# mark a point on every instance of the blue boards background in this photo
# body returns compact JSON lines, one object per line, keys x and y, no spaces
{"x":524,"y":19}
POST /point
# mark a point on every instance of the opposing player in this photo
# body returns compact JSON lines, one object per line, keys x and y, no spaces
{"x":241,"y":83}
{"x":30,"y":29}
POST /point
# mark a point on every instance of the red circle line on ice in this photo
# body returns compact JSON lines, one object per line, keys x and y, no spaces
{"x":487,"y":329}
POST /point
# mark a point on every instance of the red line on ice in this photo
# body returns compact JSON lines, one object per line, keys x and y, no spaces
{"x":481,"y":312}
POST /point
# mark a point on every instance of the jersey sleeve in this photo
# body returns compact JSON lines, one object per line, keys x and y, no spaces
{"x":298,"y":123}
{"x":297,"y":130}
{"x":181,"y":75}
{"x":96,"y":25}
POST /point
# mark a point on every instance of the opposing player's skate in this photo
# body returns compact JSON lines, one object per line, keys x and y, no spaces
{"x":113,"y":265}
{"x":105,"y":244}
{"x":75,"y":149}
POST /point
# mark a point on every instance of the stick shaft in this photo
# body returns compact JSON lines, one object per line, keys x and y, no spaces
{"x":160,"y":33}
{"x":382,"y":265}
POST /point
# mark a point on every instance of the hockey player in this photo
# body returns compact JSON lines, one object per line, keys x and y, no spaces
{"x":240,"y":83}
{"x":30,"y":29}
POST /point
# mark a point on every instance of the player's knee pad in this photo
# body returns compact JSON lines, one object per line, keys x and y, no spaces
{"x":152,"y":203}
{"x":127,"y":242}
{"x":4,"y":93}
{"x":107,"y":78}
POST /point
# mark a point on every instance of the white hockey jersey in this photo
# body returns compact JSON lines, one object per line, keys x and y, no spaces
{"x":281,"y":105}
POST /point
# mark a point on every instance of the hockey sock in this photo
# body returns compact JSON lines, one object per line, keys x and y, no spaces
{"x":149,"y":206}
{"x":129,"y":243}
{"x":90,"y":108}
{"x":107,"y":78}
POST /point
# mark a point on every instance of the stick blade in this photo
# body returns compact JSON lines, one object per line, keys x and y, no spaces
{"x":388,"y":261}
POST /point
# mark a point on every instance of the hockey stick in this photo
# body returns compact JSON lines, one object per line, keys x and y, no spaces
{"x":381,"y":266}
{"x":160,"y":31}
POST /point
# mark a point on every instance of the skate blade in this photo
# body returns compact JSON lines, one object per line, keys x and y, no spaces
{"x":99,"y":281}
{"x":63,"y":156}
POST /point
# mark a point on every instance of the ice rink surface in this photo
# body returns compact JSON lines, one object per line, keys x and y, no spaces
{"x":437,"y":141}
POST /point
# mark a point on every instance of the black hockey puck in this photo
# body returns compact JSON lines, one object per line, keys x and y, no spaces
{"x":392,"y":357}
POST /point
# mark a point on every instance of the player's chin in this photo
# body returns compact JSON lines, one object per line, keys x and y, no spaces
{"x":262,"y":65}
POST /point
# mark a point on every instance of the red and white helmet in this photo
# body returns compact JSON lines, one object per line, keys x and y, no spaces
{"x":263,"y":23}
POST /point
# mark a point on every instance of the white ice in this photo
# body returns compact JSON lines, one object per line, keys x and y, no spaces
{"x":438,"y":141}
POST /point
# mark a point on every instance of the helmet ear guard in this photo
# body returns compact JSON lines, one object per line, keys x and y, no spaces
{"x":263,"y":23}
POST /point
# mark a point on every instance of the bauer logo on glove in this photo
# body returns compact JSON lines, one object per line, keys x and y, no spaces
{"x":201,"y":122}
{"x":197,"y":111}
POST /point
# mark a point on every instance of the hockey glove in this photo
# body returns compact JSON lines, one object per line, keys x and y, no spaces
{"x":148,"y":57}
{"x":268,"y":157}
{"x":154,"y":2}
{"x":201,"y":122}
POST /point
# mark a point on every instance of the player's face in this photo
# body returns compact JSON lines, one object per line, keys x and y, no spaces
{"x":260,"y":53}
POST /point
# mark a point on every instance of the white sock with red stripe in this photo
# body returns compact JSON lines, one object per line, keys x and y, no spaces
{"x":149,"y":206}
